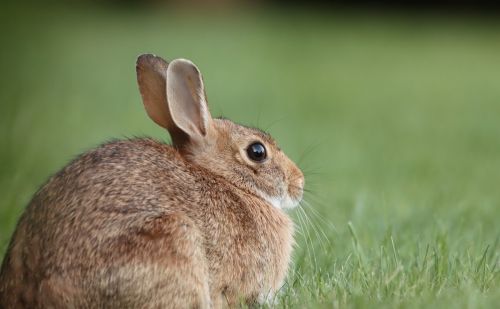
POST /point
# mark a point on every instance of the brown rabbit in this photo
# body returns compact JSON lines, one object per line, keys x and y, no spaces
{"x":141,"y":224}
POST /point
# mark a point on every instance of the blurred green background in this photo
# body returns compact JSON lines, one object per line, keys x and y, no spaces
{"x":393,"y":116}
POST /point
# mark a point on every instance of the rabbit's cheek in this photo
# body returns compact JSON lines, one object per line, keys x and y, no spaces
{"x":284,"y":200}
{"x":276,"y":202}
{"x":289,"y":203}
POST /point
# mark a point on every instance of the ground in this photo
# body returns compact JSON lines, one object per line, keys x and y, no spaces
{"x":394,"y":118}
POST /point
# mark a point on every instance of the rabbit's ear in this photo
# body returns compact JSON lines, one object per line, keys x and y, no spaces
{"x":186,"y":99}
{"x":151,"y":77}
{"x":174,"y":97}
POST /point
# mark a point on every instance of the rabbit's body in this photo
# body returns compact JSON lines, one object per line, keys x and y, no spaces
{"x":128,"y":234}
{"x":141,"y":224}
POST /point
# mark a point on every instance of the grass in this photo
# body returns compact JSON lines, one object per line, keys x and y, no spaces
{"x":395,"y":120}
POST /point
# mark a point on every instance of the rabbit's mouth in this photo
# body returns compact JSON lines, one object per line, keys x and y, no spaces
{"x":290,"y":198}
{"x":282,"y":202}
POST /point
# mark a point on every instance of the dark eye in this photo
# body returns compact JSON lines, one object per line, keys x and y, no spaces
{"x":257,"y":152}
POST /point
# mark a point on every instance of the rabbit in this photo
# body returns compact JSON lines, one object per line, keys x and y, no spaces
{"x":139,"y":223}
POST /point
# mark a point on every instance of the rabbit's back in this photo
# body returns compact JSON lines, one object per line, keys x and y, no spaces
{"x":97,"y":212}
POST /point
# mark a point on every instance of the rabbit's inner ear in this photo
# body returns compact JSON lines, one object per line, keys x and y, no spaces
{"x":186,"y":99}
{"x":151,"y":77}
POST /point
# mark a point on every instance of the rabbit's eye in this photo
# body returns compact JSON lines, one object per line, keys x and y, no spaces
{"x":257,"y":152}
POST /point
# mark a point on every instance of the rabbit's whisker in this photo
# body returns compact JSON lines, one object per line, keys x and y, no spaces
{"x":308,"y":241}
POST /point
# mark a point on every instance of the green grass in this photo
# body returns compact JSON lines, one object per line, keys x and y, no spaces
{"x":394,"y":119}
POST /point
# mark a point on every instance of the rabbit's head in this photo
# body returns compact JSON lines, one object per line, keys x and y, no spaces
{"x":174,"y":97}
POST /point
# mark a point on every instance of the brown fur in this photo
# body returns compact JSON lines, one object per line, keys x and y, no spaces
{"x":141,"y":224}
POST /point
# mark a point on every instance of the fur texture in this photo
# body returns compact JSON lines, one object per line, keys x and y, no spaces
{"x":141,"y":224}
